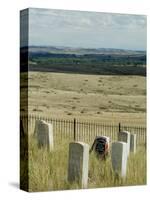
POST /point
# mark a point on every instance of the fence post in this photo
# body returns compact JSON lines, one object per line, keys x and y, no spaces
{"x":119,"y":126}
{"x":145,"y":139}
{"x":22,"y":134}
{"x":74,"y":129}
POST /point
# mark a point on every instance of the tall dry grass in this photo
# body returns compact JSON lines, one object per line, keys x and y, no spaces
{"x":48,"y":170}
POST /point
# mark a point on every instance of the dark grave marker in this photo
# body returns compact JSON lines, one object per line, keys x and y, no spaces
{"x":101,"y":146}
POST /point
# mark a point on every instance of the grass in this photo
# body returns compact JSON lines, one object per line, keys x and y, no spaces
{"x":48,"y":170}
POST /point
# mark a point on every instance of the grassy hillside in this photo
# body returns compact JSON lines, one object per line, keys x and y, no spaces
{"x":93,"y":97}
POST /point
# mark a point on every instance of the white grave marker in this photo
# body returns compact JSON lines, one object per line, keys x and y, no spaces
{"x":78,"y":163}
{"x":44,"y":134}
{"x":124,"y":136}
{"x":133,"y":143}
{"x":119,"y":158}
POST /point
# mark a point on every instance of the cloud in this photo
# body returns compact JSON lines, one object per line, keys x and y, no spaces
{"x":91,"y":29}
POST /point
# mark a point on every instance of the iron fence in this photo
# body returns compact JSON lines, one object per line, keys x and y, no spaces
{"x":86,"y":131}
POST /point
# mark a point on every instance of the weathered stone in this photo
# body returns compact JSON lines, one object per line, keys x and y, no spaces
{"x":44,"y":134}
{"x":124,"y":136}
{"x":119,"y":158}
{"x":133,"y":143}
{"x":78,"y":163}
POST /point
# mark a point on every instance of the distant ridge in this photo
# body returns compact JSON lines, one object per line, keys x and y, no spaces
{"x":82,"y":51}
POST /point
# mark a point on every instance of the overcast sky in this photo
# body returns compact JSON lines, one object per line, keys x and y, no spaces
{"x":87,"y":29}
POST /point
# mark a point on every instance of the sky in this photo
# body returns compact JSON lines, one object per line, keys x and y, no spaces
{"x":86,"y":29}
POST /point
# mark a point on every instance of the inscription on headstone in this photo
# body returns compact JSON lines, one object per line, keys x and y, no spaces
{"x":119,"y":158}
{"x":124,"y":136}
{"x":78,"y":163}
{"x":133,"y":143}
{"x":44,"y":134}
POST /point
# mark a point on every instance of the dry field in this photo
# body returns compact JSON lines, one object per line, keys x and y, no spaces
{"x":94,"y":97}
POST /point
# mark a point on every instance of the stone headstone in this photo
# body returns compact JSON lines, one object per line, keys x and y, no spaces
{"x":124,"y":136}
{"x":78,"y":163}
{"x":119,"y":158}
{"x":133,"y":143}
{"x":44,"y":134}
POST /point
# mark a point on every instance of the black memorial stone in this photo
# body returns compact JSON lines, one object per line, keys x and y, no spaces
{"x":100,"y":146}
